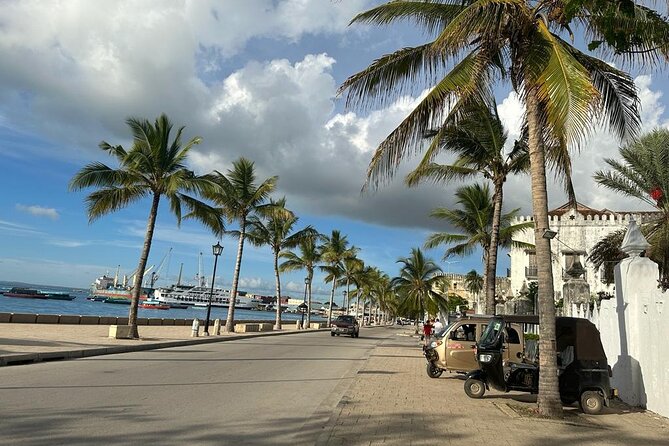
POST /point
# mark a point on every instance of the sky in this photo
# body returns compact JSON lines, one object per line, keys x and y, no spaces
{"x":258,"y":79}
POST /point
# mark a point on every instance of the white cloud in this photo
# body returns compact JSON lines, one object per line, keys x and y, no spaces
{"x":39,"y":211}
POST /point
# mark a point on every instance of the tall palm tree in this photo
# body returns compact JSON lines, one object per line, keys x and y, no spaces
{"x":240,"y":198}
{"x":333,"y":252}
{"x":474,"y":284}
{"x":478,"y":140}
{"x":307,"y":259}
{"x":415,"y":286}
{"x":474,"y":218}
{"x":564,"y":90}
{"x":641,"y":173}
{"x":276,"y":231}
{"x":153,"y":167}
{"x":350,"y":268}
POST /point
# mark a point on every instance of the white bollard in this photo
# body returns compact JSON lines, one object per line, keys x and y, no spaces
{"x":298,"y":325}
{"x":195,"y":328}
{"x":217,"y":327}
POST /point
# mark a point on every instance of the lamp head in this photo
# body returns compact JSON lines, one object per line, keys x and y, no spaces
{"x":549,"y":234}
{"x":307,"y":281}
{"x":217,"y":249}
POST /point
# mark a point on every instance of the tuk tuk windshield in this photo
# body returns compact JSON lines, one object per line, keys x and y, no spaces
{"x":492,"y":332}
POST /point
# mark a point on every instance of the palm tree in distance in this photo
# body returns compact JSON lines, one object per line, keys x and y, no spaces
{"x":415,"y":286}
{"x":474,"y":284}
{"x":350,"y":267}
{"x":474,"y":219}
{"x":334,"y":251}
{"x":478,"y":141}
{"x":240,"y":198}
{"x":565,"y":92}
{"x":275,"y":230}
{"x":641,"y":173}
{"x":307,"y":259}
{"x":153,"y":167}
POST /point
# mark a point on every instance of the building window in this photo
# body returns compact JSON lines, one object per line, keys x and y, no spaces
{"x":531,"y":270}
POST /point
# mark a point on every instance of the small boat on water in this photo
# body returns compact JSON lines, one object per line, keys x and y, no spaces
{"x":32,"y":293}
{"x":154,"y":305}
{"x":117,"y":300}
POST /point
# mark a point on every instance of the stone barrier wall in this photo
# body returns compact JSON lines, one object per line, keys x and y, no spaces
{"x":26,"y":318}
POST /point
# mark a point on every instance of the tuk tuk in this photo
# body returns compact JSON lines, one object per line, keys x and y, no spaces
{"x":584,"y":373}
{"x":453,"y":349}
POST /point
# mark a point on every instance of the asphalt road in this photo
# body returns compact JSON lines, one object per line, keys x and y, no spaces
{"x":261,"y":391}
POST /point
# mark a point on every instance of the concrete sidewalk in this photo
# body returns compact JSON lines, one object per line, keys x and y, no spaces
{"x":26,"y":343}
{"x":392,"y":401}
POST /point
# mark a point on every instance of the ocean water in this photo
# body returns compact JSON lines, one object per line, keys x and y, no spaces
{"x":81,"y":306}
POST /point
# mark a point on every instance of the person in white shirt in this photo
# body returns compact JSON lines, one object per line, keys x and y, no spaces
{"x":438,"y":326}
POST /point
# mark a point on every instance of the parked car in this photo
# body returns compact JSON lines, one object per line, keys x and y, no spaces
{"x":345,"y":325}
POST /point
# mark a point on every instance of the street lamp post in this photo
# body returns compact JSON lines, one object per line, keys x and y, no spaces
{"x":217,"y":250}
{"x":345,"y":301}
{"x":304,"y":305}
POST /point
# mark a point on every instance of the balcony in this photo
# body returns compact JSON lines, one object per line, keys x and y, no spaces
{"x":531,"y":272}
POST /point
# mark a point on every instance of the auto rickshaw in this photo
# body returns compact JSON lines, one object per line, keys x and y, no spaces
{"x":582,"y":366}
{"x":453,"y":349}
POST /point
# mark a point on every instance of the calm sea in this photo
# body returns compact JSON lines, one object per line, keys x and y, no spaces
{"x":81,"y":306}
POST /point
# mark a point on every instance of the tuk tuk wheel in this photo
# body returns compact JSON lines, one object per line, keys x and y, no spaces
{"x":433,"y":371}
{"x":474,"y":388}
{"x":591,"y":402}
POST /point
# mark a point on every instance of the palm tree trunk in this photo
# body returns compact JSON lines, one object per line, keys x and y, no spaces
{"x":310,"y":275}
{"x":334,"y":282}
{"x":357,"y":306}
{"x":549,"y":395}
{"x":139,"y":274}
{"x":348,"y":297}
{"x":230,"y":321}
{"x":485,"y":283}
{"x":491,"y":266}
{"x":277,"y":321}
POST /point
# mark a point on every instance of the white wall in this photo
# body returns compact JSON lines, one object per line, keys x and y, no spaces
{"x":634,"y":327}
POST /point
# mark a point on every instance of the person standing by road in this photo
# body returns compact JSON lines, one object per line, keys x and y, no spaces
{"x":438,"y":326}
{"x":427,"y":332}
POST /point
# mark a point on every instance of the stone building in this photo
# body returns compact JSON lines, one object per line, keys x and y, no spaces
{"x":578,"y":231}
{"x":459,"y":288}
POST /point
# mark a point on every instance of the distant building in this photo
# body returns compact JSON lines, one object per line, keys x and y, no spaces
{"x":578,"y":231}
{"x":458,"y":287}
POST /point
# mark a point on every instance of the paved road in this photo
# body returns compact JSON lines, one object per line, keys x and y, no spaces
{"x":273,"y":390}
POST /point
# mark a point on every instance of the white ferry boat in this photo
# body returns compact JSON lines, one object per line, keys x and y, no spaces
{"x":198,"y":296}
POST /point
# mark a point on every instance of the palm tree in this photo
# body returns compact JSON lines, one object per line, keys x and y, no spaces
{"x":333,"y":252}
{"x":415,"y":286}
{"x":564,"y":90}
{"x":350,"y":268}
{"x":474,"y":219}
{"x":240,"y":198}
{"x":153,"y":167}
{"x":275,"y":230}
{"x":474,"y":284}
{"x":478,"y":141}
{"x":642,"y":174}
{"x":307,"y":260}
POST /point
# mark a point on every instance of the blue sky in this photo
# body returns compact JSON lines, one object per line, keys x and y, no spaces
{"x":255,"y":78}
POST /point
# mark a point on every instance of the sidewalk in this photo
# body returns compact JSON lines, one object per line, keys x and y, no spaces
{"x":26,"y":343}
{"x":393,"y":402}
